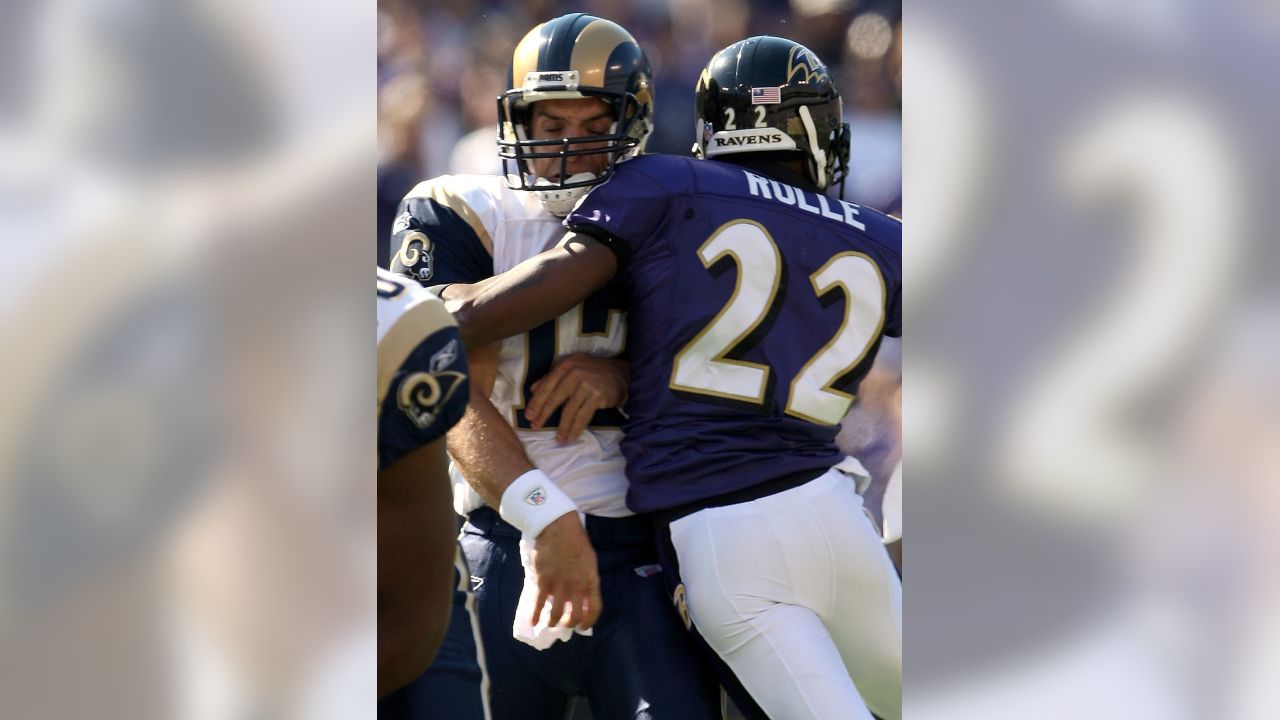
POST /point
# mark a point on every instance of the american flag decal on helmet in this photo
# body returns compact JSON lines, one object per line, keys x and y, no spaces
{"x":766,"y":95}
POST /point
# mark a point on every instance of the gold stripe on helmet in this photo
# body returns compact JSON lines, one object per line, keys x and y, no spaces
{"x":592,"y":49}
{"x":525,"y":59}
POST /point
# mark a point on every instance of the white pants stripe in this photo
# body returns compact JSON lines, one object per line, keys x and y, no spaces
{"x":797,"y":595}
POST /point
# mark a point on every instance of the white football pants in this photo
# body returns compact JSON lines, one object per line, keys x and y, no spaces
{"x":796,"y":593}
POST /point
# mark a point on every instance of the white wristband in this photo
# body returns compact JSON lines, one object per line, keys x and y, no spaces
{"x":533,"y":502}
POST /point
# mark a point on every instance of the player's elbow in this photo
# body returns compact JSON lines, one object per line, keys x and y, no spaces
{"x":463,"y":311}
{"x":479,"y":322}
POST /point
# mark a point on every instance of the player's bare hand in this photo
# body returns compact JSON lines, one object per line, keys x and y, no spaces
{"x":565,"y":565}
{"x":578,"y":386}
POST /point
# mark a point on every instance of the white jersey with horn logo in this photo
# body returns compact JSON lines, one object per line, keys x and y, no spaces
{"x":422,"y":369}
{"x":465,"y":228}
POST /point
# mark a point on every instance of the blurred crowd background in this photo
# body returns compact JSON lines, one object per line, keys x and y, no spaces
{"x":442,"y":64}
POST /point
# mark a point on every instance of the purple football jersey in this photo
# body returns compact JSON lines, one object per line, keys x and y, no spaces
{"x":756,"y":307}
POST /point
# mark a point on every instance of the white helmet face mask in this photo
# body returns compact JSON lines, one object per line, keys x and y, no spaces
{"x":560,"y":201}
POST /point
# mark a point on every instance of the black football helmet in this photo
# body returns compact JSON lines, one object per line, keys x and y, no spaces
{"x":574,"y":56}
{"x":767,"y":94}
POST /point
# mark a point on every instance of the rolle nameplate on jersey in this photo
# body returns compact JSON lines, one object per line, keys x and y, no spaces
{"x":794,"y":196}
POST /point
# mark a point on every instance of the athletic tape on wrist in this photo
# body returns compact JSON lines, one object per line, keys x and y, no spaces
{"x":533,"y":502}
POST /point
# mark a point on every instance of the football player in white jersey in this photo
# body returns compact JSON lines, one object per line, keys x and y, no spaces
{"x":578,"y":102}
{"x":422,"y":392}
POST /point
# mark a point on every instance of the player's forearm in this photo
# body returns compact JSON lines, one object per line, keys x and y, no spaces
{"x":483,"y":446}
{"x":533,"y":292}
{"x":486,"y":450}
{"x":492,"y":459}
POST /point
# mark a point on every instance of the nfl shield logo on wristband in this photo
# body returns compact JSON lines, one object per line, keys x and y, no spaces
{"x":537,"y":497}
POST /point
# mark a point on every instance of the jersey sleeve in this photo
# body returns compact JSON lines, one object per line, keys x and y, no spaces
{"x":629,"y":207}
{"x":422,"y":380}
{"x":441,"y":235}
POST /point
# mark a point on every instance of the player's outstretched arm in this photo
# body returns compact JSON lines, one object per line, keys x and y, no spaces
{"x":492,"y":459}
{"x":537,"y":290}
{"x":416,"y":546}
{"x":482,"y":444}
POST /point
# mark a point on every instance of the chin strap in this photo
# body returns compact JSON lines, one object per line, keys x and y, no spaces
{"x":561,"y":201}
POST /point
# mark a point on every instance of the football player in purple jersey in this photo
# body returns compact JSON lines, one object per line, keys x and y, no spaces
{"x":756,"y":304}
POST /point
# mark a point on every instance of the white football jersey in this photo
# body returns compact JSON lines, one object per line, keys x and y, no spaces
{"x":422,"y":368}
{"x":512,"y":226}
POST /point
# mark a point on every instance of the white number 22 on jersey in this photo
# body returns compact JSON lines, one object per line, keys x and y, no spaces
{"x":702,"y":367}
